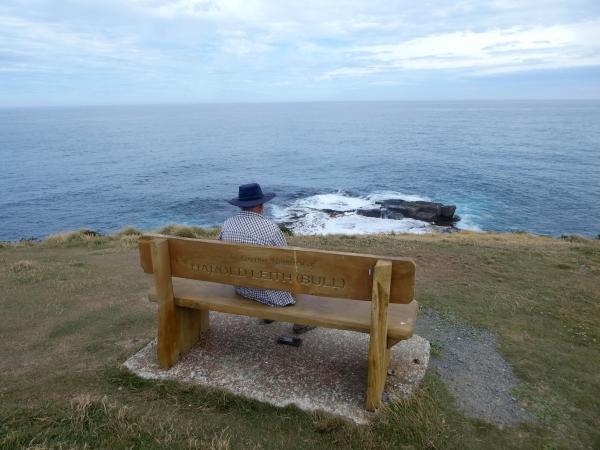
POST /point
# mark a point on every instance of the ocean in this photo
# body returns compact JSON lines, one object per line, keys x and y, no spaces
{"x":508,"y":165}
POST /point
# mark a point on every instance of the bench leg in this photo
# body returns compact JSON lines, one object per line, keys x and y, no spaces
{"x":390,"y":344}
{"x":178,"y":328}
{"x":192,"y":322}
{"x":378,"y":351}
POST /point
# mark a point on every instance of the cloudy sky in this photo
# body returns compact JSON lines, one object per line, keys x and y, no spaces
{"x":169,"y":51}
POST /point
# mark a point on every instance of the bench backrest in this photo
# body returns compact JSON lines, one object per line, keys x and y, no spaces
{"x":292,"y":269}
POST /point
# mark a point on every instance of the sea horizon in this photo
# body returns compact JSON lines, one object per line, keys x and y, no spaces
{"x":298,"y":101}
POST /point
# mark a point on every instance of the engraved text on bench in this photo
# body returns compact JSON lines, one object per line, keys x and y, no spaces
{"x":283,"y":277}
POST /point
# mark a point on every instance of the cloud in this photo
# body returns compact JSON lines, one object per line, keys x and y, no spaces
{"x":481,"y":53}
{"x":240,"y":44}
{"x":314,"y":49}
{"x":37,"y":46}
{"x":201,"y":9}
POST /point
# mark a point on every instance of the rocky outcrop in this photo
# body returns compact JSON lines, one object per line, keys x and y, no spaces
{"x":432,"y":212}
{"x":370,"y":212}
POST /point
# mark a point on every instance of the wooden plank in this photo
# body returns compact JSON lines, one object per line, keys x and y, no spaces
{"x":378,"y":353}
{"x":168,"y":331}
{"x":192,"y":322}
{"x":392,"y":341}
{"x":178,"y":328}
{"x":326,"y":312}
{"x":292,"y":269}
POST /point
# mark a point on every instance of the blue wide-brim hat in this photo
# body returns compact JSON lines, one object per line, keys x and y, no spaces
{"x":251,"y":195}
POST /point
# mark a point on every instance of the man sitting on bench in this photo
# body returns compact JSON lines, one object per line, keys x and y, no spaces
{"x":250,"y":226}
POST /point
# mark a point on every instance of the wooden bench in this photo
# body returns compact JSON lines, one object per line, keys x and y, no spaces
{"x":193,"y":277}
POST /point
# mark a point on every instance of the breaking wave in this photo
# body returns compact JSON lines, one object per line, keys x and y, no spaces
{"x":336,"y":214}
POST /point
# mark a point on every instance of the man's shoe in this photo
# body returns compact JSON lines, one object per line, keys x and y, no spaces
{"x":300,"y":329}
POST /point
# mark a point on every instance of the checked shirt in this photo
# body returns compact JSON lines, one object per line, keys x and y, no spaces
{"x":248,"y":227}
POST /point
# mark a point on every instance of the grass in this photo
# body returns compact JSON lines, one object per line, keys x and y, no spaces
{"x":436,"y":349}
{"x":73,"y":310}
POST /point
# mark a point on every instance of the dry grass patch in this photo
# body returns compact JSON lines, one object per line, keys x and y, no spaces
{"x":75,"y":237}
{"x":91,"y":421}
{"x":129,"y":231}
{"x":23,"y":266}
{"x":128,"y":241}
{"x":189,"y":232}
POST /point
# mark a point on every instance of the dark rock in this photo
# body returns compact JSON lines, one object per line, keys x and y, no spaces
{"x":448,"y":211}
{"x":421,"y":210}
{"x":426,"y":216}
{"x":333,"y":212}
{"x":394,"y":215}
{"x":370,"y":212}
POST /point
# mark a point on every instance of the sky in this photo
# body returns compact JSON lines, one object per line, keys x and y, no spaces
{"x":87,"y":52}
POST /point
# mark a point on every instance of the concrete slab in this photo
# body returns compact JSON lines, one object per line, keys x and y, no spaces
{"x":328,"y":372}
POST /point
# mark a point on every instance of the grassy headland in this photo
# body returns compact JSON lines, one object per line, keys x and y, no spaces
{"x":73,"y":309}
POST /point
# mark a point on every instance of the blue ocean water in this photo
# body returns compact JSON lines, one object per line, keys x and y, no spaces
{"x":531,"y":166}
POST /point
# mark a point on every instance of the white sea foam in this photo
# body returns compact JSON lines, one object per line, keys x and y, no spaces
{"x":377,"y":196}
{"x":277,"y":212}
{"x":351,"y":223}
{"x":468,"y":222}
{"x":334,"y":202}
{"x":335,"y":214}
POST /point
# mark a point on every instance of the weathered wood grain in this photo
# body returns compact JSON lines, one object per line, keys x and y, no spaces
{"x":378,"y":353}
{"x":178,"y":328}
{"x":292,"y":269}
{"x":168,"y":332}
{"x":326,"y":312}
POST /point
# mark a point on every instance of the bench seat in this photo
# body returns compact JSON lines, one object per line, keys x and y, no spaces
{"x":342,"y":314}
